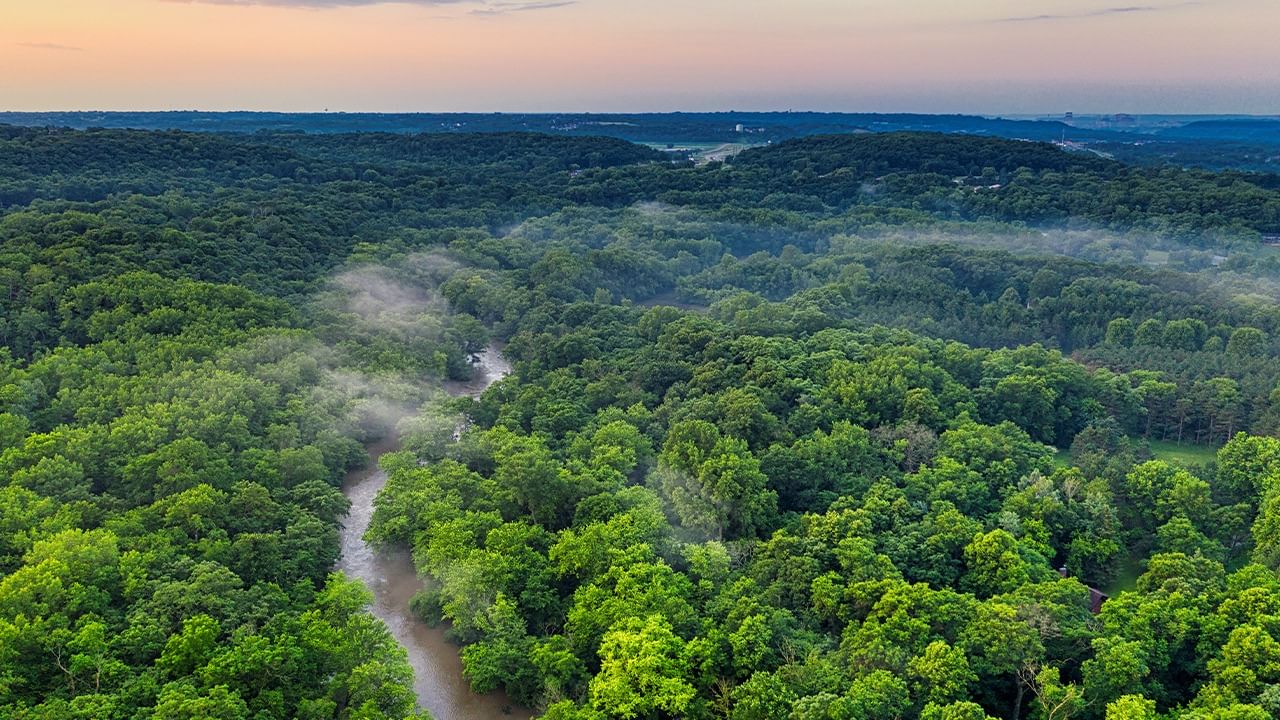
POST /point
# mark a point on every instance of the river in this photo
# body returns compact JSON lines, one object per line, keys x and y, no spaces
{"x":437,"y":670}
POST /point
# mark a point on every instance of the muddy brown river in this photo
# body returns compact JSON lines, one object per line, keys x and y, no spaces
{"x":437,"y":670}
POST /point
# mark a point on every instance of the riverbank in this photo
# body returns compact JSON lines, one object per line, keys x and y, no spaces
{"x":441,"y":688}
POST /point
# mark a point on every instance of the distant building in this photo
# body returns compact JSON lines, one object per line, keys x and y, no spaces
{"x":1096,"y":596}
{"x":737,"y":128}
{"x":1068,"y":116}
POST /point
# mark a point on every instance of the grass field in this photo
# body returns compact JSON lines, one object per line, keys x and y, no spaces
{"x":1183,"y":453}
{"x":1130,"y":570}
{"x":701,"y":152}
{"x":1062,"y":458}
{"x":1156,"y":257}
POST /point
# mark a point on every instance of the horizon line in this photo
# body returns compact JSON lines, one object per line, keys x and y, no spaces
{"x":1058,"y":114}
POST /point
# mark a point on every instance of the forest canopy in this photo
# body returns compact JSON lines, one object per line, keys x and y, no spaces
{"x":864,"y":426}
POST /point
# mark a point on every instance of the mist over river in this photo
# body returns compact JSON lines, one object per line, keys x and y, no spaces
{"x":438,"y":680}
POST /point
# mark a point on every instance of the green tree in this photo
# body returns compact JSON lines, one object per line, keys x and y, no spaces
{"x":1120,"y":332}
{"x":994,"y":564}
{"x":1247,"y":342}
{"x":941,"y":674}
{"x":641,"y":671}
{"x":715,"y":484}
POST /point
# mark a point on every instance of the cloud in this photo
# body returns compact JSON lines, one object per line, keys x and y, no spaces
{"x":51,"y":46}
{"x":503,"y":8}
{"x":1102,"y":12}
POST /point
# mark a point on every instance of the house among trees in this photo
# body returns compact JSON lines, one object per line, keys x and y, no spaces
{"x":1096,"y":596}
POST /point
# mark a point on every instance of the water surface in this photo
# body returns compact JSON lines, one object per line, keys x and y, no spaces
{"x":437,"y":670}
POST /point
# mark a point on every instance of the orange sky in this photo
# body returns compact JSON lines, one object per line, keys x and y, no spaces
{"x":993,"y":56}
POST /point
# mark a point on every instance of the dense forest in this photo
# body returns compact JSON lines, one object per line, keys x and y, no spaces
{"x":852,"y":426}
{"x":672,"y":127}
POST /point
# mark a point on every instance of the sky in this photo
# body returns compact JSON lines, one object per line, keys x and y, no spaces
{"x":940,"y":56}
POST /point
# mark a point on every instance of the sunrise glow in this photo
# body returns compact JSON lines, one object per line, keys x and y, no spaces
{"x":985,"y":56}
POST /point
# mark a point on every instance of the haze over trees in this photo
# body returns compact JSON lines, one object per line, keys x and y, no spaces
{"x":847,"y":427}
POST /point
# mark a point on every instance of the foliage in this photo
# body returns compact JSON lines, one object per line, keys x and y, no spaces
{"x":759,"y":458}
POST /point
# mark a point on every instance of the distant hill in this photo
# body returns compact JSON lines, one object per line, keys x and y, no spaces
{"x":1264,"y":130}
{"x":654,"y":128}
{"x":910,"y":152}
{"x":1248,"y":144}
